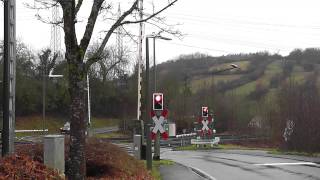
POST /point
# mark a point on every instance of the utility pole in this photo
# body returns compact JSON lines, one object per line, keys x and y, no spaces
{"x":148,"y":108}
{"x":55,"y":42}
{"x":9,"y":77}
{"x":140,"y":60}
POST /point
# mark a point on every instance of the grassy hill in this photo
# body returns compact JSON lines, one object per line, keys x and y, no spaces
{"x":253,"y":69}
{"x":236,"y":95}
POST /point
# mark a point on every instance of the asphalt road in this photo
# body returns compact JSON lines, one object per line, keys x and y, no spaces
{"x":246,"y":164}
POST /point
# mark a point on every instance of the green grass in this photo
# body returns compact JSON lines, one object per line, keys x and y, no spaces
{"x":240,"y":147}
{"x":156,"y":166}
{"x":111,"y":135}
{"x":244,"y":89}
{"x":271,"y":70}
{"x":221,"y":146}
{"x":104,"y":122}
{"x":195,"y":148}
{"x":274,"y":68}
{"x":35,"y":122}
{"x":299,"y":77}
{"x":200,"y":82}
{"x":53,"y":124}
{"x":275,"y":151}
{"x":297,"y":153}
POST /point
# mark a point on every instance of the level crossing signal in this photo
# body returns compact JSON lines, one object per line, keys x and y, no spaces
{"x":157,"y":99}
{"x":204,"y":111}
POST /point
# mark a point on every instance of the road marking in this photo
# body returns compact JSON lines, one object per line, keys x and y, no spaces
{"x":286,"y":164}
{"x":202,"y":173}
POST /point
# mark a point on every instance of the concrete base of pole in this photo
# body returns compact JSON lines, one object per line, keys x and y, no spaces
{"x":54,"y":152}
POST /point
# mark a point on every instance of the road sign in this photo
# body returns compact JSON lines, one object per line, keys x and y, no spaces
{"x":159,"y":124}
{"x":205,"y":125}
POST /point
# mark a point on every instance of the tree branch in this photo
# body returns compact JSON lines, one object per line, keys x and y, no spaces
{"x":90,"y":24}
{"x":119,"y":22}
{"x":78,"y":6}
{"x":109,"y":33}
{"x":151,"y":16}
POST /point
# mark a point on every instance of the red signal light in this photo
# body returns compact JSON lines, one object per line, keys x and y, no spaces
{"x":204,"y":111}
{"x":157,"y":101}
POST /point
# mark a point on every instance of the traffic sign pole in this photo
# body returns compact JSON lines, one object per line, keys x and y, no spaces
{"x":147,"y":115}
{"x":156,"y":155}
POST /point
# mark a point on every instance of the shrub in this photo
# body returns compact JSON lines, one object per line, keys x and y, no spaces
{"x":104,"y":160}
{"x":23,"y":167}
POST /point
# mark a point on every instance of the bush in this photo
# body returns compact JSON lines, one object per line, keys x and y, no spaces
{"x":23,"y":167}
{"x":104,"y":160}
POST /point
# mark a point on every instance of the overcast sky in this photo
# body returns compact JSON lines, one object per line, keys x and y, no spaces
{"x":214,"y":27}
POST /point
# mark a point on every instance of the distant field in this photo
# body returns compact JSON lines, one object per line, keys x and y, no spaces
{"x":244,"y":89}
{"x":104,"y":122}
{"x":200,"y":82}
{"x":35,"y":122}
{"x":273,"y":69}
{"x":299,"y":76}
{"x":53,"y":124}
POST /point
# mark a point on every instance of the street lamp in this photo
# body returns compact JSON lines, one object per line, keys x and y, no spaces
{"x":147,"y":101}
{"x":88,"y":97}
{"x":44,"y":78}
{"x":154,"y":37}
{"x":156,"y":155}
{"x":54,"y":75}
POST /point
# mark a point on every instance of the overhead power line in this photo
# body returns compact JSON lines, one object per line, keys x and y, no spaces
{"x":238,"y":21}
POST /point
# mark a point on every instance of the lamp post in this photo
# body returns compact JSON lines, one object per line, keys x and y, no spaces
{"x":44,"y":88}
{"x":147,"y":102}
{"x":88,"y":100}
{"x":154,"y":37}
{"x":156,"y":155}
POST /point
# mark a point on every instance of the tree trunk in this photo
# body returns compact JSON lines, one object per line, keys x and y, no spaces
{"x":77,"y":168}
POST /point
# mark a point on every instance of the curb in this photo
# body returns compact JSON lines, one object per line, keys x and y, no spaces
{"x":198,"y":172}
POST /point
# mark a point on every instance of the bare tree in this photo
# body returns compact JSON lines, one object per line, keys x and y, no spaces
{"x":78,"y":67}
{"x":113,"y":63}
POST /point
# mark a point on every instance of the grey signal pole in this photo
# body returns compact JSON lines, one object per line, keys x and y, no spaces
{"x":44,"y":89}
{"x":147,"y":113}
{"x":156,"y":155}
{"x":9,"y":77}
{"x":157,"y":140}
